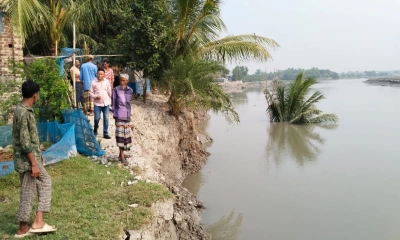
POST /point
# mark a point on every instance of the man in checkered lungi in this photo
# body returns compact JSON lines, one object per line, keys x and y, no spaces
{"x":121,"y":102}
{"x":28,"y":162}
{"x":88,"y":74}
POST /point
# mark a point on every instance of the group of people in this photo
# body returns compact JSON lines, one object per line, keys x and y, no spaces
{"x":95,"y":83}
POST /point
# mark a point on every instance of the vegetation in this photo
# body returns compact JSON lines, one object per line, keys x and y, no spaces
{"x":87,"y":202}
{"x":10,"y":96}
{"x":142,"y":29}
{"x":153,"y":36}
{"x":239,"y":72}
{"x":191,"y":82}
{"x":290,"y":74}
{"x":292,"y":103}
{"x":197,"y":26}
{"x":55,"y":18}
{"x":55,"y":95}
{"x":367,"y":74}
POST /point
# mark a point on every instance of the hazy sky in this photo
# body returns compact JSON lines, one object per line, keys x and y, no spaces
{"x":340,"y":35}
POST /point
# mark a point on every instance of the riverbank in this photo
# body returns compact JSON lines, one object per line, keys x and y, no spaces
{"x":386,"y":81}
{"x":165,"y":149}
{"x":238,"y":86}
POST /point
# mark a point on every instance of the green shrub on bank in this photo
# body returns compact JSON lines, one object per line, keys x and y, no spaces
{"x":54,"y":97}
{"x":87,"y":203}
{"x":10,"y":96}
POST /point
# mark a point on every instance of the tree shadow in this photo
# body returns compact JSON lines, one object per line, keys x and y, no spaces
{"x":300,"y":141}
{"x":226,"y":228}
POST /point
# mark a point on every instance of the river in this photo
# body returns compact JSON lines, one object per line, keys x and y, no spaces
{"x":285,"y":182}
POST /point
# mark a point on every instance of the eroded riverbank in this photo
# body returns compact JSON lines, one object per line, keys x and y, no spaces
{"x":166,"y":149}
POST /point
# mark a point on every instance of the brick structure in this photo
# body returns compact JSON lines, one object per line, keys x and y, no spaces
{"x":10,"y":47}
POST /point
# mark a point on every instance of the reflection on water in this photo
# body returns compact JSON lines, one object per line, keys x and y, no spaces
{"x":346,"y":191}
{"x":194,"y":182}
{"x":226,"y":228}
{"x":301,"y":141}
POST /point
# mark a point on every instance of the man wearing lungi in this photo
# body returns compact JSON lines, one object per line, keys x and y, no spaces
{"x":88,"y":74}
{"x":121,"y":103}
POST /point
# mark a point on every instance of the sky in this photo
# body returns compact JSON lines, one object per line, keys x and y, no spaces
{"x":339,"y":35}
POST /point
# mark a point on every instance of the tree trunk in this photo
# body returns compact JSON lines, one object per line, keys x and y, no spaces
{"x":53,"y":48}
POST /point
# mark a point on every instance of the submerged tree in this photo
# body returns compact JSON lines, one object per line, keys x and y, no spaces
{"x":292,"y":102}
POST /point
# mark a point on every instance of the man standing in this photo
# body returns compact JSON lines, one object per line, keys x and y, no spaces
{"x":100,"y":91}
{"x":78,"y":84}
{"x":108,"y":72}
{"x":88,"y":74}
{"x":28,"y":162}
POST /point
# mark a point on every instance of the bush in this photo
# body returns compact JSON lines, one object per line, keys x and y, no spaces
{"x":54,"y":97}
{"x":10,"y":96}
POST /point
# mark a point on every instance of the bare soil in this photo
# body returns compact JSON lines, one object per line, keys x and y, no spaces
{"x":5,"y":156}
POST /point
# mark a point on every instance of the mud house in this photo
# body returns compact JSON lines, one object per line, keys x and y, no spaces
{"x":10,"y":45}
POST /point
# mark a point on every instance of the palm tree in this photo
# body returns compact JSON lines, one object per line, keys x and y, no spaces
{"x":198,"y":25}
{"x":191,"y":83}
{"x":292,"y":103}
{"x":54,"y":16}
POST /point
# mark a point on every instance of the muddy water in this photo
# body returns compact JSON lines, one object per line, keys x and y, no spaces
{"x":285,"y":182}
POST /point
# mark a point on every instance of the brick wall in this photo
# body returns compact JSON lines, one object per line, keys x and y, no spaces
{"x":10,"y":47}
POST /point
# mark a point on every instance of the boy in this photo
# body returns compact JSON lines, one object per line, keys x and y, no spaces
{"x":28,"y":163}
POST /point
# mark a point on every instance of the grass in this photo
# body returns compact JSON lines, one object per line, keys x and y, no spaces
{"x":87,"y":203}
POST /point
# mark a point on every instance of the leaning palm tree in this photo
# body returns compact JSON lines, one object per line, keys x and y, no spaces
{"x":191,"y":83}
{"x":198,"y":28}
{"x":293,"y":103}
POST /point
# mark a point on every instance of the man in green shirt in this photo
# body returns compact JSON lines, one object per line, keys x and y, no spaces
{"x":28,"y":162}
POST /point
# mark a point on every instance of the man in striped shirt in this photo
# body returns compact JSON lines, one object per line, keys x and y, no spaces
{"x":108,"y":72}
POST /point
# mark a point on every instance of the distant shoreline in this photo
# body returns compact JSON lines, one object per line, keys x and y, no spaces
{"x":384,"y":81}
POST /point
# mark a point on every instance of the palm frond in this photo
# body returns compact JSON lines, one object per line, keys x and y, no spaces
{"x":239,"y":48}
{"x":290,"y":103}
{"x":191,"y":83}
{"x":27,"y":16}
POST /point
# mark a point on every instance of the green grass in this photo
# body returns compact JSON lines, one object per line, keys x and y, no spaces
{"x":87,"y":203}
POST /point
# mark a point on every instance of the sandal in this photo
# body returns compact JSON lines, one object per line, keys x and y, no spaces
{"x":124,"y":162}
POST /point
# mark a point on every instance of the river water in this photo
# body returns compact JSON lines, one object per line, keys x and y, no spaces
{"x":285,"y":182}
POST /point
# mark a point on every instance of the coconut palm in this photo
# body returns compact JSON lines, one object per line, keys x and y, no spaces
{"x":191,"y":83}
{"x":54,"y":16}
{"x":198,"y":28}
{"x":293,"y":103}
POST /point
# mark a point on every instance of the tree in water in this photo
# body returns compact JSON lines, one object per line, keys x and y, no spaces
{"x":292,"y":102}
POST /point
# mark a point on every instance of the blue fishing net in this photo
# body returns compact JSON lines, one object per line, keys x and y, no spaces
{"x":5,"y":135}
{"x":62,"y":136}
{"x":85,"y":139}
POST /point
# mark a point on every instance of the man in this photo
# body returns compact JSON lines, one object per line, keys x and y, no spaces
{"x":108,"y":72}
{"x":28,"y":162}
{"x":88,"y":74}
{"x":121,"y":102}
{"x":78,"y":84}
{"x":100,"y":91}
